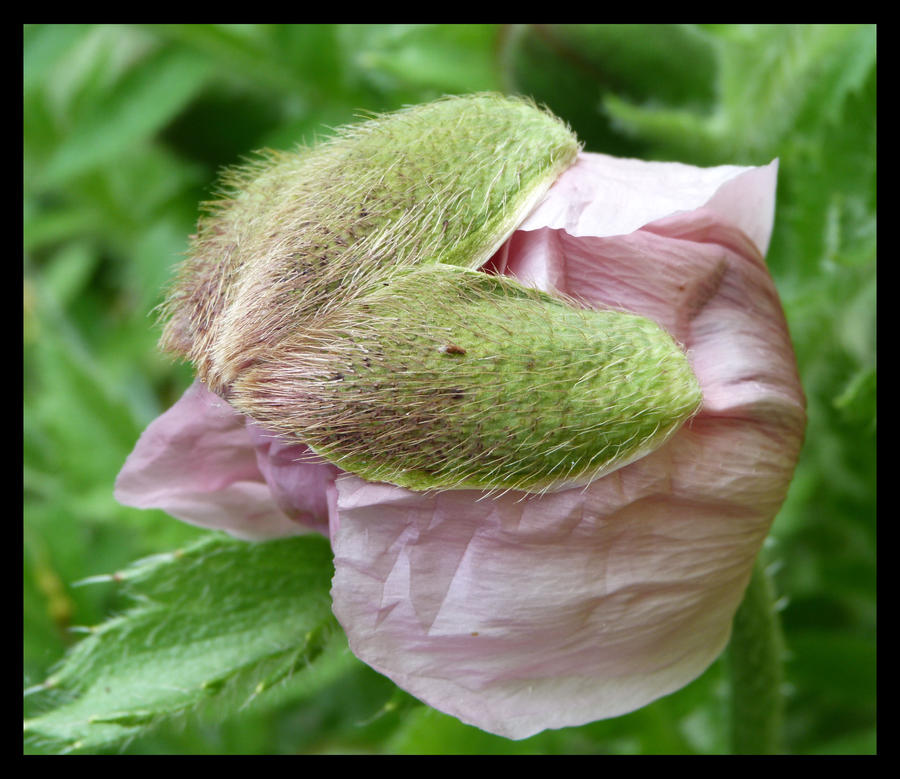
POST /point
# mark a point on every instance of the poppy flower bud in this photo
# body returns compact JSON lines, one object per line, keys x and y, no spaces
{"x":623,"y":338}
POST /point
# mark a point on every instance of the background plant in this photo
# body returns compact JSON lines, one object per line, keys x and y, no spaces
{"x":125,"y":130}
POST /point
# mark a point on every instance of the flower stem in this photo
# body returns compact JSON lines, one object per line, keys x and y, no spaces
{"x":756,"y":653}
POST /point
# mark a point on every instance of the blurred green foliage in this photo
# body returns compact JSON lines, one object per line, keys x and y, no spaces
{"x":125,"y":129}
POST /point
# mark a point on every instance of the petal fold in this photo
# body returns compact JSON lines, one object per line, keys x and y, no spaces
{"x":199,"y":463}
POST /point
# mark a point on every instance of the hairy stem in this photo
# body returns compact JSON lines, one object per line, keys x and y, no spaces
{"x":756,"y":655}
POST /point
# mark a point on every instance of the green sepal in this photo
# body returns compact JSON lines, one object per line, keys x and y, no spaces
{"x":451,"y":378}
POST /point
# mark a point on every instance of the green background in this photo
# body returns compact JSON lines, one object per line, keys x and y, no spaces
{"x":125,"y":128}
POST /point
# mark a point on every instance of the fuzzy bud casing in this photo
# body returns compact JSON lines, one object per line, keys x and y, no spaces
{"x":296,"y":235}
{"x":453,"y":378}
{"x":333,"y":298}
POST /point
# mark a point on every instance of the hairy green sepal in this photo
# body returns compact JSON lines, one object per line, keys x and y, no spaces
{"x":298,"y":234}
{"x":454,"y":378}
{"x":332,"y":296}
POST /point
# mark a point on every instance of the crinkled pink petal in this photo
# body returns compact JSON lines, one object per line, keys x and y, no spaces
{"x":199,"y":463}
{"x":520,"y":613}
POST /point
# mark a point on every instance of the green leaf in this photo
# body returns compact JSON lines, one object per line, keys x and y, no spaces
{"x":68,"y":271}
{"x":44,"y":45}
{"x":42,"y":227}
{"x":218,"y":623}
{"x":454,"y":58}
{"x":574,"y":68}
{"x":857,"y":401}
{"x":671,"y":64}
{"x":247,"y":51}
{"x":771,"y":79}
{"x":148,"y":97}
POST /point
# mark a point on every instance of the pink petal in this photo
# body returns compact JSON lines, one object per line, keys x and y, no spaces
{"x":605,"y":196}
{"x":198,"y":463}
{"x":522,"y":613}
{"x":297,"y":477}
